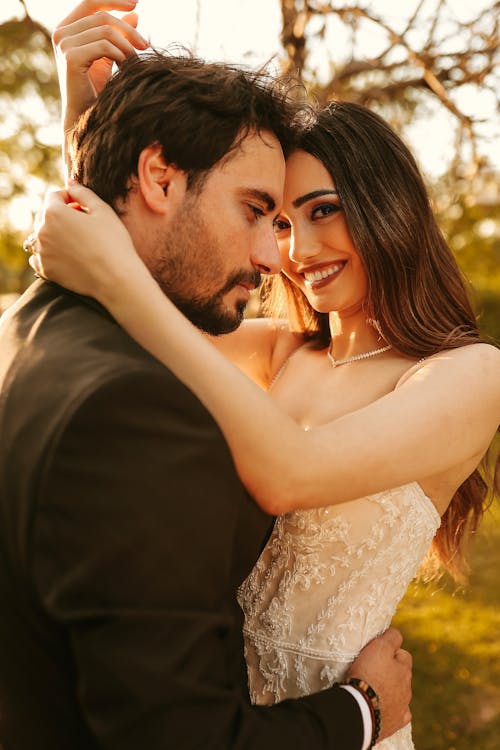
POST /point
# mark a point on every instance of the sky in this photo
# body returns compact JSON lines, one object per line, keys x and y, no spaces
{"x":229,"y":29}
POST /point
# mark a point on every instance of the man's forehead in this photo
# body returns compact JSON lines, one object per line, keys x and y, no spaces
{"x":263,"y":142}
{"x":257,"y":163}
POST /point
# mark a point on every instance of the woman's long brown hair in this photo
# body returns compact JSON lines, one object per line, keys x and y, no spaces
{"x":416,"y":291}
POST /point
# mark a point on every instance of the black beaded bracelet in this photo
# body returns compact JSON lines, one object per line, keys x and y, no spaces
{"x":374,"y":703}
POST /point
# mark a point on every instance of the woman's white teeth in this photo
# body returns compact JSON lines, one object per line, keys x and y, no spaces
{"x":324,"y":273}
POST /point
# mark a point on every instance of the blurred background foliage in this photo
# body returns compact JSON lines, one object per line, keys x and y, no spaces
{"x":453,"y":637}
{"x":29,"y":138}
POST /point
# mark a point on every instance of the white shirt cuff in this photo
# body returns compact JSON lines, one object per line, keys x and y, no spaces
{"x":365,"y":715}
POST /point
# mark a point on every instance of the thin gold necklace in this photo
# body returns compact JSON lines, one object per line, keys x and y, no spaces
{"x":373,"y":353}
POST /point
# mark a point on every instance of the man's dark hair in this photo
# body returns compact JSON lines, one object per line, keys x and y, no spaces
{"x":198,"y":112}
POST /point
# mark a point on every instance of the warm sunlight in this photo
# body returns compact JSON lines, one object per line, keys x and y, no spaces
{"x":247,"y":31}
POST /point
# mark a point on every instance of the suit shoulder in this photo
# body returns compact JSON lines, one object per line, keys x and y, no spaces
{"x":60,"y":353}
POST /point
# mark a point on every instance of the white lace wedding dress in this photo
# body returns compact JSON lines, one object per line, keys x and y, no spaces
{"x":327,"y":582}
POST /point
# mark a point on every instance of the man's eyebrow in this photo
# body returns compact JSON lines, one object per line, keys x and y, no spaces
{"x":298,"y":202}
{"x":260,"y":195}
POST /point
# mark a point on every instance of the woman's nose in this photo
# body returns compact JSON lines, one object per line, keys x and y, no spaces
{"x":302,"y":247}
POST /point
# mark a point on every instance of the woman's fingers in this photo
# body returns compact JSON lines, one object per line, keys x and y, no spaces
{"x":88,"y":7}
{"x":132,"y":19}
{"x":76,"y":193}
{"x":84,"y":49}
{"x":81,"y":243}
{"x":54,"y":254}
{"x":36,"y":264}
{"x":87,"y":43}
{"x":100,"y":25}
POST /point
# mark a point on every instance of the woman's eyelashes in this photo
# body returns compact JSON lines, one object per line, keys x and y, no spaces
{"x":324,"y":210}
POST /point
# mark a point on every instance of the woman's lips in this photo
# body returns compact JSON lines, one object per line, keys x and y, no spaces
{"x":318,"y":277}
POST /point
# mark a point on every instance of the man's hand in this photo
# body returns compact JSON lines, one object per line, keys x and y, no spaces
{"x":86,"y":44}
{"x":386,"y":667}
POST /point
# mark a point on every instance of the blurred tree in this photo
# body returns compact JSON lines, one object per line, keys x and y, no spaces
{"x":469,"y":214}
{"x":403,"y":61}
{"x":29,"y":138}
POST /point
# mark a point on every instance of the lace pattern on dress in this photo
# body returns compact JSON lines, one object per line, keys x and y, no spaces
{"x":327,"y":582}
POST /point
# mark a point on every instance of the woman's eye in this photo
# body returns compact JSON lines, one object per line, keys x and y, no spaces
{"x":326,"y":209}
{"x":280,"y":225}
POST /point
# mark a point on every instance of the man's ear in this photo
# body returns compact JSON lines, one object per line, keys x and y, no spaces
{"x":163,"y":186}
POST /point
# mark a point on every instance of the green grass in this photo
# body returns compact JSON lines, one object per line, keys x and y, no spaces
{"x":454,"y":636}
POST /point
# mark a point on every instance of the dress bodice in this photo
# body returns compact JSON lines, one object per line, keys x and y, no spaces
{"x":328,"y":581}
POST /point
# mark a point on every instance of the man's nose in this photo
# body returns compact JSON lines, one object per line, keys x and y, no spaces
{"x":266,"y":257}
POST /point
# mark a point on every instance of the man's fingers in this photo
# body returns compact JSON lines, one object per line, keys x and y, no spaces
{"x":393,"y":638}
{"x":93,"y":6}
{"x":404,"y":657}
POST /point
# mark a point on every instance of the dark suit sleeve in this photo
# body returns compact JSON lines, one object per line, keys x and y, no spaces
{"x":132,"y":560}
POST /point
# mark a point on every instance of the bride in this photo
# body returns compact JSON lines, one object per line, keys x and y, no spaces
{"x":381,"y":398}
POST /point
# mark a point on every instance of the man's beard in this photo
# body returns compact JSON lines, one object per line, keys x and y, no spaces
{"x":190,"y":259}
{"x":210,"y":313}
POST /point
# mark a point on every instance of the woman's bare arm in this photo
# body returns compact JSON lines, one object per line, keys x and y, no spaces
{"x":442,"y":416}
{"x":87,"y":42}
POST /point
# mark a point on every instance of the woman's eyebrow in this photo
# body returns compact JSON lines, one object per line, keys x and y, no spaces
{"x":298,"y":202}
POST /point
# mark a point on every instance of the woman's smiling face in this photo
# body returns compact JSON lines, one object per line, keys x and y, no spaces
{"x":317,"y":252}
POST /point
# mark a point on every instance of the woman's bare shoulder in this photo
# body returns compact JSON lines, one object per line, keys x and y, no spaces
{"x":487,"y":353}
{"x":481,"y":359}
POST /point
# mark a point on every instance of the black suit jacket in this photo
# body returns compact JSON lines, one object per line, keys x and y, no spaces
{"x":124,"y":532}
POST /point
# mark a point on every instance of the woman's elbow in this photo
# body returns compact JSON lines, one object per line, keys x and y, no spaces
{"x":273,"y":495}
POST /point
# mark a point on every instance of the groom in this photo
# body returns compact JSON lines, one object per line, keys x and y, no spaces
{"x":124,"y":530}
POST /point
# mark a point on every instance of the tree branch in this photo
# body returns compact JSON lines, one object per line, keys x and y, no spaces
{"x":420,"y":66}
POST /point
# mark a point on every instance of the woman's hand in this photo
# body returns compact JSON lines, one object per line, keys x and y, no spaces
{"x":83,"y":245}
{"x":87,"y":43}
